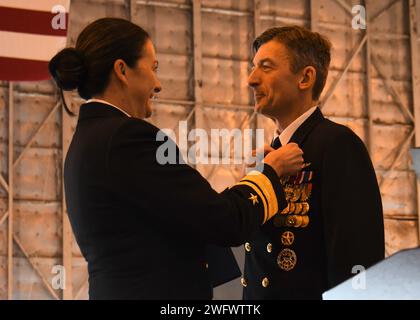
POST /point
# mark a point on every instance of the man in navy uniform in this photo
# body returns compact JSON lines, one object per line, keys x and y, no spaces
{"x":333,"y":223}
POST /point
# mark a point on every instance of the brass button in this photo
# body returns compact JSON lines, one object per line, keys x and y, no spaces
{"x":287,"y":238}
{"x":243,"y":282}
{"x":265,"y":282}
{"x":291,"y":221}
{"x":269,"y":248}
{"x":247,"y":246}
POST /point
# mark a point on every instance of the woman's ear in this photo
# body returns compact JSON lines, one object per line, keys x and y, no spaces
{"x":308,"y":78}
{"x":120,"y":69}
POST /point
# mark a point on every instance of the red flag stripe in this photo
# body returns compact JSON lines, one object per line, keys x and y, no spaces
{"x":29,"y":21}
{"x":20,"y":69}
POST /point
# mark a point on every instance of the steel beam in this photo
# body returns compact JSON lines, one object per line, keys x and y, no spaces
{"x":338,"y":79}
{"x":368,"y":82}
{"x":37,"y":270}
{"x":10,"y":196}
{"x":383,"y":10}
{"x":391,"y":89}
{"x":345,"y":6}
{"x":415,"y":76}
{"x":32,"y":139}
{"x":67,"y":241}
{"x":198,"y":65}
{"x":402,"y":149}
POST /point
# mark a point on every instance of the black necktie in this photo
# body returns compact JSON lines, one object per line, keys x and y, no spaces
{"x":276,"y":143}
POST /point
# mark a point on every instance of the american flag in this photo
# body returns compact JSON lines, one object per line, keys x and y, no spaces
{"x":31,"y":33}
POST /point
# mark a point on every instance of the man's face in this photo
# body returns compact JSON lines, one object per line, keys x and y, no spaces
{"x":275,"y":86}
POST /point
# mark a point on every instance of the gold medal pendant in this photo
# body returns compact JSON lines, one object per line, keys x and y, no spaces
{"x":305,"y":221}
{"x":298,"y":208}
{"x":305,"y":208}
{"x":292,"y":208}
{"x":299,"y":221}
{"x":287,"y":238}
{"x":287,"y":259}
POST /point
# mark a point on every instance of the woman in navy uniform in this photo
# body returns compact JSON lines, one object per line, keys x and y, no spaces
{"x":144,"y":227}
{"x":332,"y":227}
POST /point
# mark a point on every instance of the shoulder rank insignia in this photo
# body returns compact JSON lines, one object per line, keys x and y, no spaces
{"x":253,"y":198}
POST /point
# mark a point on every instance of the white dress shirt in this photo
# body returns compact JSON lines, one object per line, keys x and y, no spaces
{"x":110,"y":104}
{"x":287,"y":133}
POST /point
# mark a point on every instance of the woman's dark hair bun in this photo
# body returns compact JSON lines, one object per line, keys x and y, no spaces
{"x":88,"y":66}
{"x":67,"y":69}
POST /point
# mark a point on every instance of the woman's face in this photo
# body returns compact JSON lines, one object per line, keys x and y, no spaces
{"x":143,"y":83}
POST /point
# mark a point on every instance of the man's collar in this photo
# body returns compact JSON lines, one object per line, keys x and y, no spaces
{"x":300,"y":134}
{"x":287,"y":133}
{"x":303,"y":130}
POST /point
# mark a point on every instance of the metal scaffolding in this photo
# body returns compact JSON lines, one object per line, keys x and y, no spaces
{"x":415,"y":76}
{"x":196,"y":109}
{"x":9,"y":187}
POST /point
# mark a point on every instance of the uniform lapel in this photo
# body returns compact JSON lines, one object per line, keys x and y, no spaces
{"x":306,"y":127}
{"x":301,"y":133}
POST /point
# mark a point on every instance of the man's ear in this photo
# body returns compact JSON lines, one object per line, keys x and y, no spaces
{"x":120,"y":70}
{"x":308,"y":78}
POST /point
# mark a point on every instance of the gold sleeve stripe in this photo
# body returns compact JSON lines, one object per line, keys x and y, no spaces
{"x":263,"y":195}
{"x":267,"y":188}
{"x":251,"y":185}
